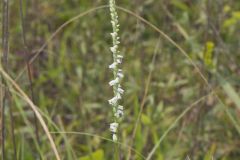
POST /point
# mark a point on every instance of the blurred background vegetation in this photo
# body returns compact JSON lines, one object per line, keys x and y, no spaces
{"x":71,"y":75}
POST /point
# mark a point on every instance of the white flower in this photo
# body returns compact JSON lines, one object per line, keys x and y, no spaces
{"x":114,"y":49}
{"x":114,"y":137}
{"x":120,"y":90}
{"x":119,"y":56}
{"x":118,"y":96}
{"x":113,"y":101}
{"x":113,"y":65}
{"x":114,"y":34}
{"x":114,"y":82}
{"x":113,"y":23}
{"x":119,"y":113}
{"x":120,"y":75}
{"x":119,"y":59}
{"x":114,"y":127}
{"x":120,"y":107}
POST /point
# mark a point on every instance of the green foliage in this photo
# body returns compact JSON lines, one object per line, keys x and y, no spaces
{"x":71,"y":75}
{"x":145,"y":119}
{"x":230,"y":91}
{"x":233,"y":20}
{"x":99,"y":155}
{"x":210,"y":154}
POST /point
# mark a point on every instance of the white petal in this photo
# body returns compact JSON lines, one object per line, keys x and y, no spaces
{"x":114,"y":34}
{"x":119,"y":114}
{"x":120,"y":107}
{"x":114,"y":82}
{"x":119,"y":56}
{"x":113,"y":49}
{"x":113,"y":65}
{"x":120,"y":75}
{"x":113,"y":101}
{"x":113,"y":23}
{"x":120,"y":90}
{"x":119,"y":61}
{"x":113,"y":127}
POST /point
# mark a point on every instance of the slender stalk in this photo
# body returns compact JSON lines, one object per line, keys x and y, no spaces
{"x":12,"y":126}
{"x":4,"y":64}
{"x":117,"y":75}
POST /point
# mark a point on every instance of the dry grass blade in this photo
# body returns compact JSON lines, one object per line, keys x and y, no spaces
{"x":34,"y":108}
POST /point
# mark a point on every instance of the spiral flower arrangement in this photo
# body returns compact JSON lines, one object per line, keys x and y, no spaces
{"x":117,"y":72}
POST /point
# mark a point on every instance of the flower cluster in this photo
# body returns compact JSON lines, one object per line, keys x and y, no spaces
{"x":117,"y":73}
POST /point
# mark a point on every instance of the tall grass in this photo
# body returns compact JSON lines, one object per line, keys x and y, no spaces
{"x":4,"y":64}
{"x":155,"y":106}
{"x":29,"y":73}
